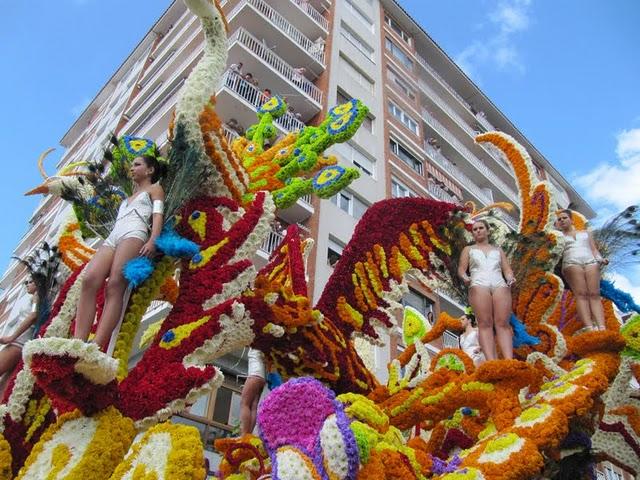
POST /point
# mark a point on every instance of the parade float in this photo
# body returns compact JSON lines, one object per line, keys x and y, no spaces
{"x":74,"y":412}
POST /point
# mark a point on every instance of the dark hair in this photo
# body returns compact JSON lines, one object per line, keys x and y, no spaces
{"x":567,"y":211}
{"x":484,"y":222}
{"x":159,"y":168}
{"x":472,"y":319}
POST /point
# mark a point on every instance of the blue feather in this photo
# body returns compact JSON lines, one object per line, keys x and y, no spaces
{"x":137,"y":270}
{"x":520,"y":335}
{"x":623,"y":301}
{"x":172,"y":244}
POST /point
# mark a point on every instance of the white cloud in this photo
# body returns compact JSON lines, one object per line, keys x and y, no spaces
{"x":616,"y":184}
{"x":499,"y":48}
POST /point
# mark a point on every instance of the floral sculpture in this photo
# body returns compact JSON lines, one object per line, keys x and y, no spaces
{"x":72,"y":411}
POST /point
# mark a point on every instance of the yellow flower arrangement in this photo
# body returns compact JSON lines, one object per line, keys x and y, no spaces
{"x":140,"y":300}
{"x":81,"y":447}
{"x":5,"y":459}
{"x":166,"y":451}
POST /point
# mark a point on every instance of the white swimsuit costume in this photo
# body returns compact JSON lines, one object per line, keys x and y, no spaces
{"x":28,"y":333}
{"x":485,"y":269}
{"x":469,"y":344}
{"x":256,"y":366}
{"x":577,"y":251}
{"x":133,"y":220}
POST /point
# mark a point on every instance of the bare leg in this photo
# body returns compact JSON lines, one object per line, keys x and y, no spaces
{"x":480,"y":300}
{"x":95,"y":275}
{"x":9,"y":358}
{"x":575,"y":276}
{"x":592,"y":273}
{"x":125,"y":251}
{"x":251,"y":392}
{"x":501,"y":314}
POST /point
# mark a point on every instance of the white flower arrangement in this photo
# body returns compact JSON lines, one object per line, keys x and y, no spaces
{"x":292,"y":464}
{"x":334,"y":452}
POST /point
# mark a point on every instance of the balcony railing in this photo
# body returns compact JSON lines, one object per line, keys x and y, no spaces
{"x":272,"y":241}
{"x":449,"y":340}
{"x":431,"y":93}
{"x":439,"y":193}
{"x":456,"y":173}
{"x":317,"y":17}
{"x":283,"y":25}
{"x":508,"y":220}
{"x":230,"y":135}
{"x":449,"y":88}
{"x":255,"y":97}
{"x":277,"y":63}
{"x":470,"y":156}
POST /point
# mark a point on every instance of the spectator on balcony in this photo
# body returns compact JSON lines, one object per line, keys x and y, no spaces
{"x":291,"y":111}
{"x":298,"y":75}
{"x":232,"y":124}
{"x":250,"y":79}
{"x":24,"y":324}
{"x":252,"y":390}
{"x":236,"y":68}
{"x":317,"y":49}
{"x":489,"y":293}
{"x":266,"y":95}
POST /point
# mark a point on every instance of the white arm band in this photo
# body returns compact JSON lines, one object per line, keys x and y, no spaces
{"x":158,"y":207}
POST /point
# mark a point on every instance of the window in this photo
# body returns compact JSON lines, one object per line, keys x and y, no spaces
{"x":349,"y":203}
{"x":334,"y":251}
{"x":403,"y":86}
{"x":358,"y":13}
{"x":405,"y":155}
{"x":395,"y":26}
{"x":398,"y":190}
{"x":355,"y":39}
{"x":398,"y":53}
{"x":418,"y":301}
{"x":403,"y":117}
{"x":356,"y":156}
{"x":356,"y":74}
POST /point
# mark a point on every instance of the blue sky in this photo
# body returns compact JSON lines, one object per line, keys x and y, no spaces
{"x":566,"y":73}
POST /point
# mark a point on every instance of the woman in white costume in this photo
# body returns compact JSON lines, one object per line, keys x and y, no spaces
{"x":138,"y":224}
{"x":26,"y":319}
{"x":251,"y":391}
{"x":489,"y":293}
{"x":469,"y":342}
{"x":581,"y":262}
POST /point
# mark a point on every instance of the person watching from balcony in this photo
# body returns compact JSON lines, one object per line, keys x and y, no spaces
{"x":489,"y":293}
{"x":11,"y":354}
{"x":469,"y":339}
{"x":232,"y":124}
{"x":252,"y":390}
{"x":581,"y":263}
{"x":266,"y":95}
{"x":298,"y":75}
{"x":138,"y":224}
{"x":236,"y":68}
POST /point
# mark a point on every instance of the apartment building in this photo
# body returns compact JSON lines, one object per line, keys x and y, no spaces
{"x":416,"y":141}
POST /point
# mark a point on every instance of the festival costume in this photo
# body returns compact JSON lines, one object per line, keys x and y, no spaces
{"x":133,"y":220}
{"x":485,"y":269}
{"x":256,"y":366}
{"x":471,"y":346}
{"x":577,"y":251}
{"x":28,"y":333}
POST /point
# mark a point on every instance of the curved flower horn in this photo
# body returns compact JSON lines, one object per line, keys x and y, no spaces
{"x":41,"y":158}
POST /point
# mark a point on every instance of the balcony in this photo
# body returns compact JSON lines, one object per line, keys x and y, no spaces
{"x":469,"y":156}
{"x":455,"y":116}
{"x":304,"y":15}
{"x":439,"y":193}
{"x":278,"y":33}
{"x":465,"y":182}
{"x":237,"y":98}
{"x":278,"y":76}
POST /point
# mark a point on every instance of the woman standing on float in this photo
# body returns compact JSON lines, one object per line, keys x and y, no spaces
{"x":489,"y":293}
{"x":138,"y":224}
{"x":581,"y":262}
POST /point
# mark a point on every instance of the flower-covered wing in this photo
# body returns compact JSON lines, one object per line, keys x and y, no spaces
{"x":375,"y":261}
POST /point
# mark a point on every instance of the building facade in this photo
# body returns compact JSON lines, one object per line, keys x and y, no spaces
{"x":416,"y":141}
